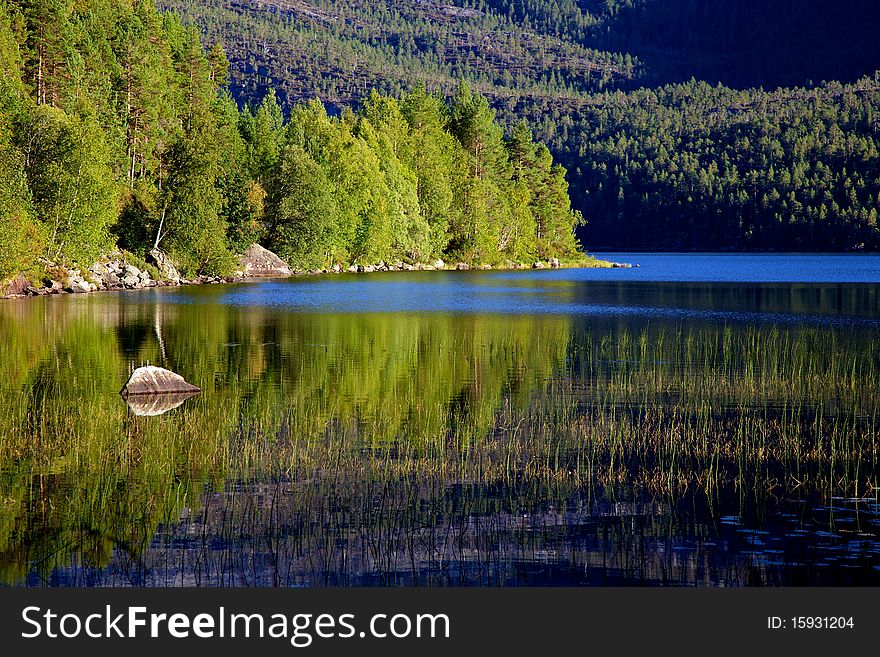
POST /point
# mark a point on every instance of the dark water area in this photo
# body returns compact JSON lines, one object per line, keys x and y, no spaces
{"x":698,"y":420}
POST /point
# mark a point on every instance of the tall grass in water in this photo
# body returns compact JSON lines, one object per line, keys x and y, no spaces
{"x":389,"y":451}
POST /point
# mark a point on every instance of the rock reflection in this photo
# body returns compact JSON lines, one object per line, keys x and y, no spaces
{"x":154,"y":405}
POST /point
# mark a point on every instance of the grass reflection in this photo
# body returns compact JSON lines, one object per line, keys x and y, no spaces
{"x":397,"y":449}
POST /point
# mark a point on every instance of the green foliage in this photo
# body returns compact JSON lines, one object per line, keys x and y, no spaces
{"x":262,"y":130}
{"x":117,"y":113}
{"x":243,"y":210}
{"x":412,"y":179}
{"x":116,"y":117}
{"x":20,"y":239}
{"x":430,"y":153}
{"x":302,"y":207}
{"x":191,"y":227}
{"x":11,"y":87}
{"x":71,"y":182}
{"x":386,"y":131}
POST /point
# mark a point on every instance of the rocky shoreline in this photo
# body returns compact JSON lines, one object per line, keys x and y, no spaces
{"x":117,"y":272}
{"x":111,"y":274}
{"x":440,"y":265}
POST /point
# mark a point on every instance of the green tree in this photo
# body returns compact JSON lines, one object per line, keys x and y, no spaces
{"x":302,"y":210}
{"x":386,"y":131}
{"x":429,"y":153}
{"x":20,"y":240}
{"x":191,"y":226}
{"x":72,"y":184}
{"x":264,"y":134}
{"x":483,"y":175}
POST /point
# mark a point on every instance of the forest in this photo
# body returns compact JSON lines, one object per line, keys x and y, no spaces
{"x":626,"y":95}
{"x":691,"y":166}
{"x":345,"y":132}
{"x":117,"y":130}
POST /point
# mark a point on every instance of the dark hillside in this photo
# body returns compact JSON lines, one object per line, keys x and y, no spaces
{"x":686,"y":166}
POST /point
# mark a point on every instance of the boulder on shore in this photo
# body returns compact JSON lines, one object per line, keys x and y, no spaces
{"x":16,"y":285}
{"x":152,"y":380}
{"x":260,"y":262}
{"x":164,"y":264}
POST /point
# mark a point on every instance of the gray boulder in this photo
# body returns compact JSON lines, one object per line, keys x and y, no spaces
{"x":77,"y":287}
{"x":18,"y":284}
{"x":77,"y":284}
{"x":164,"y":264}
{"x":260,"y":262}
{"x":151,"y":380}
{"x":131,"y":279}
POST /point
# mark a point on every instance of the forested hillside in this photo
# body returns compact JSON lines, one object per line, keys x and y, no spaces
{"x":116,"y":130}
{"x":694,"y":166}
{"x":656,"y":159}
{"x":338,"y":50}
{"x":122,"y":125}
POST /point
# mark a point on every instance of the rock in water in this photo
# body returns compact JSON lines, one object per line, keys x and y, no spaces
{"x":151,"y":380}
{"x":258,"y":261}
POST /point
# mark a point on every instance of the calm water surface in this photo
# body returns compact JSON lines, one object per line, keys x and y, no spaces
{"x":699,"y":420}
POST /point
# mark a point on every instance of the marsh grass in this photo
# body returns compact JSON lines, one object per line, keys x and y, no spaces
{"x":417,"y":451}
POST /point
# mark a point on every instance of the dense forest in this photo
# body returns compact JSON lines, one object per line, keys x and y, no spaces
{"x":656,"y":158}
{"x":692,"y":165}
{"x":117,"y":130}
{"x":124,"y":125}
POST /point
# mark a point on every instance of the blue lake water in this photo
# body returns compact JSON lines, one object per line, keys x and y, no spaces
{"x":701,"y":419}
{"x":799,"y":288}
{"x":744,"y":267}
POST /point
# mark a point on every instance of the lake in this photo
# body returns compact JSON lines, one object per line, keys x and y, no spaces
{"x":698,"y":420}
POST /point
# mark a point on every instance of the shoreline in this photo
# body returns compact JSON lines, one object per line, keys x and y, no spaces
{"x":117,"y":275}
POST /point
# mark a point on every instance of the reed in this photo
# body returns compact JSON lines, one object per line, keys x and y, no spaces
{"x":430,"y":450}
